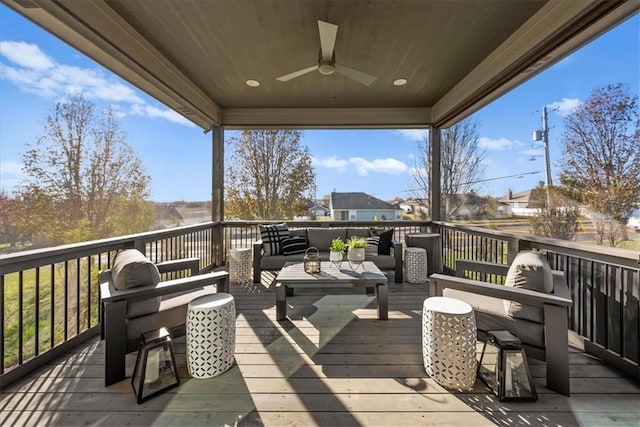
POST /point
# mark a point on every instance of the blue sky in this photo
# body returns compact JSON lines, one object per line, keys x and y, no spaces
{"x":37,"y":70}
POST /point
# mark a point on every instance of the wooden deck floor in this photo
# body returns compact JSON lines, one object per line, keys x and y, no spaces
{"x":332,"y":364}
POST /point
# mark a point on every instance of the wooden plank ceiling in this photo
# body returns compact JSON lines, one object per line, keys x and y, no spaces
{"x":196,"y":56}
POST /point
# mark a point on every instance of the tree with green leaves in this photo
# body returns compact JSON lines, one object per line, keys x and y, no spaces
{"x":270,"y":175}
{"x":557,"y":216}
{"x":461,"y":165}
{"x":84,"y":181}
{"x":601,"y":158}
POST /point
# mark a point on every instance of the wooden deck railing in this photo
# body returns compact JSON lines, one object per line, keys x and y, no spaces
{"x":49,"y":297}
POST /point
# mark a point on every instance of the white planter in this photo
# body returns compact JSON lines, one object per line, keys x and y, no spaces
{"x":355,"y":256}
{"x":336,"y":258}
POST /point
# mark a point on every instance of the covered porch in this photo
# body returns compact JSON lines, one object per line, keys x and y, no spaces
{"x":333,"y":362}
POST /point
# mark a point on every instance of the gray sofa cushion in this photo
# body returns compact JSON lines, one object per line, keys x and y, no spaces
{"x":321,"y":237}
{"x":132,"y":269}
{"x":529,"y":270}
{"x":172,"y":312}
{"x":358,"y":232}
{"x":490,"y":316}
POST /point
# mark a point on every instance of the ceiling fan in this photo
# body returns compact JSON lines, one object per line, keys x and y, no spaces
{"x":327,"y":61}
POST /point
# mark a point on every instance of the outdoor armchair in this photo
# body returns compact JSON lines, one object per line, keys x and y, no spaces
{"x":539,"y":318}
{"x":135,"y":301}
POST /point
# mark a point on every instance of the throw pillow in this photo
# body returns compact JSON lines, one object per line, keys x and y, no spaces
{"x":272,"y":236}
{"x":386,"y":240}
{"x":372,"y":246}
{"x":132,"y":269}
{"x":529,"y":270}
{"x":294,"y":245}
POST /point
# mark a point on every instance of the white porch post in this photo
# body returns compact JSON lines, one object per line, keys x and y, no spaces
{"x":435,"y":193}
{"x":217,"y":195}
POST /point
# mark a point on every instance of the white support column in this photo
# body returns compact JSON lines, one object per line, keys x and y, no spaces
{"x":217,"y":194}
{"x":435,"y":193}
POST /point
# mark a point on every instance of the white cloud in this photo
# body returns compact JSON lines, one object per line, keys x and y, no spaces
{"x":565,"y":106}
{"x":25,"y":55}
{"x":362,"y":166}
{"x":413,"y":134}
{"x":499,"y":144}
{"x":33,"y":71}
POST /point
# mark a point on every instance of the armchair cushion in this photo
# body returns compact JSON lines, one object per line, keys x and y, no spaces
{"x":132,"y":269}
{"x":272,"y":236}
{"x":529,"y":270}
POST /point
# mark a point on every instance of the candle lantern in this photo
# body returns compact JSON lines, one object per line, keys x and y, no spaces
{"x":503,"y":367}
{"x":155,"y":369}
{"x":311,"y":261}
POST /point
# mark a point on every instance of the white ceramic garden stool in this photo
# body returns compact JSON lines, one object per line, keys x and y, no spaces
{"x":211,"y":335}
{"x":240,"y":265}
{"x":449,"y":342}
{"x":415,"y":261}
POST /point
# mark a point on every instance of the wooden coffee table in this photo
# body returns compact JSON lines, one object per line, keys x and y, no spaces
{"x":367,"y":275}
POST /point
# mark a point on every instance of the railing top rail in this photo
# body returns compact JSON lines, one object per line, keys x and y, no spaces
{"x":37,"y":257}
{"x":312,"y":223}
{"x":616,"y":256}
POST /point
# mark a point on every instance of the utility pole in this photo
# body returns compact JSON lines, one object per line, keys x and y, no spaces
{"x":544,"y":136}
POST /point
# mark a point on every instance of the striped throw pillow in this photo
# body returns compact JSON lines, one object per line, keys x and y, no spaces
{"x":294,"y":245}
{"x":272,"y":236}
{"x":372,"y":246}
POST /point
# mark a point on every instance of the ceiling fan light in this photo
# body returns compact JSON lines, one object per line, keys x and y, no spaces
{"x":400,"y":82}
{"x":326,"y":69}
{"x":253,"y":83}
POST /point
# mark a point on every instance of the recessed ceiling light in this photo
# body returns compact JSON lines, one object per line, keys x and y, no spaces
{"x":253,"y":83}
{"x":400,"y":82}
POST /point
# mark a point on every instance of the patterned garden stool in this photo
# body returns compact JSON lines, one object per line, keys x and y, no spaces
{"x":449,"y":342}
{"x":211,"y":335}
{"x":415,"y":261}
{"x":240,"y":268}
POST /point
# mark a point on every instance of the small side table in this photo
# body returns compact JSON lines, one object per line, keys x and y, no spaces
{"x":449,"y":342}
{"x":415,"y":262}
{"x":240,"y":265}
{"x":432,"y":242}
{"x":211,"y":335}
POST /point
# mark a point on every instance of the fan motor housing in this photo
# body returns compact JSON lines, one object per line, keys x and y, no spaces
{"x":326,"y":68}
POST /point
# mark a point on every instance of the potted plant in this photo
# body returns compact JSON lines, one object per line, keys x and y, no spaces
{"x":355,"y":255}
{"x":336,"y":251}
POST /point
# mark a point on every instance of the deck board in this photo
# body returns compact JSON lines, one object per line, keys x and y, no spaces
{"x":331,"y":363}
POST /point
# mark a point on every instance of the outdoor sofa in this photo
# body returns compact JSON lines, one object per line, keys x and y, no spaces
{"x":268,"y":255}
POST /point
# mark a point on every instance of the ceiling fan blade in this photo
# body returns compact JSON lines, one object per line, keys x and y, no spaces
{"x":327,"y":39}
{"x":295,"y":74}
{"x":359,"y":76}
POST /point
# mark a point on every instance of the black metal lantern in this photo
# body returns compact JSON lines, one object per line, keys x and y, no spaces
{"x":312,"y":260}
{"x":155,"y":369}
{"x":503,"y":367}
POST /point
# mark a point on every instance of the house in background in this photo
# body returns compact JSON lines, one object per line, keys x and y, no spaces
{"x":361,"y":207}
{"x":319,"y":210}
{"x":517,"y":204}
{"x":419,"y":207}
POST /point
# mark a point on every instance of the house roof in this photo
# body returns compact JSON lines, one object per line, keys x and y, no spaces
{"x":522,"y":196}
{"x":196,"y":56}
{"x":358,"y":201}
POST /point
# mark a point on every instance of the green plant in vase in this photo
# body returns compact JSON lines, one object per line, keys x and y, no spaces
{"x":355,"y":255}
{"x":336,"y":251}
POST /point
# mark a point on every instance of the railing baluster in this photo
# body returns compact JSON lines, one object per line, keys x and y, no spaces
{"x":36,"y":314}
{"x":20,"y":315}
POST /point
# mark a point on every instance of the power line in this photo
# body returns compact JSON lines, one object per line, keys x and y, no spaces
{"x":519,"y":175}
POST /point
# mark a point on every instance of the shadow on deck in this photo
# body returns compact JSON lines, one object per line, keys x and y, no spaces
{"x":331,"y":363}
